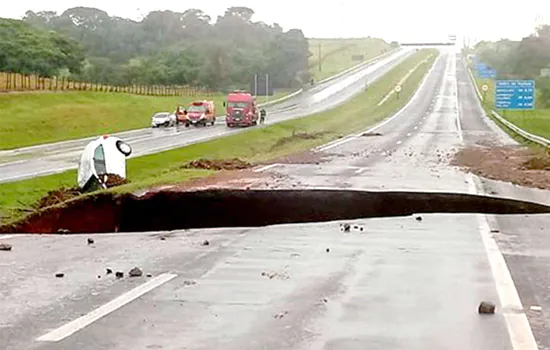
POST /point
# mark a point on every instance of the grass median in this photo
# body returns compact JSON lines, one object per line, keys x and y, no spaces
{"x":28,"y":119}
{"x":336,"y":54}
{"x":535,"y":121}
{"x":255,"y":145}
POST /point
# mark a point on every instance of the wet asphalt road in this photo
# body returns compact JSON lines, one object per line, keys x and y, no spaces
{"x":54,"y":158}
{"x":398,"y":284}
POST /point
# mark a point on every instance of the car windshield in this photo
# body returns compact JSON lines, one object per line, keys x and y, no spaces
{"x":237,"y":104}
{"x":194,"y":108}
{"x":161,"y":115}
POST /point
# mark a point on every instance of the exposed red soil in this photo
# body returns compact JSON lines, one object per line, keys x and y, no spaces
{"x":518,"y":165}
{"x":218,"y":164}
{"x":56,"y":197}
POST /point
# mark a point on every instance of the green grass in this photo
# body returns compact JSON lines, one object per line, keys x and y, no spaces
{"x":337,"y":54}
{"x":536,"y":122}
{"x":255,"y":145}
{"x":35,"y":118}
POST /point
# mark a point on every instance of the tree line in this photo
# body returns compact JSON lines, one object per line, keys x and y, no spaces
{"x":164,"y":48}
{"x":524,"y":59}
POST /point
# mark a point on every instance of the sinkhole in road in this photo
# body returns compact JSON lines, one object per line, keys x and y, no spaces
{"x":168,"y":210}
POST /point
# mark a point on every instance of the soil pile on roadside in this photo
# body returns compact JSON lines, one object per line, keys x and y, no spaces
{"x":64,"y":194}
{"x":218,"y":164}
{"x":518,"y":165}
{"x":114,"y":180}
{"x":56,"y":197}
{"x":297,"y":136}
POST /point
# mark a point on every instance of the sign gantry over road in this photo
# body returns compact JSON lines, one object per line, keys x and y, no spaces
{"x":515,"y":94}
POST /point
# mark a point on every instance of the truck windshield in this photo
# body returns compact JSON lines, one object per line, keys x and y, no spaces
{"x":237,"y":104}
{"x":194,"y":108}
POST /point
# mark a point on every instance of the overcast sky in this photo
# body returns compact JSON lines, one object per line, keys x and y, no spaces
{"x":401,"y":20}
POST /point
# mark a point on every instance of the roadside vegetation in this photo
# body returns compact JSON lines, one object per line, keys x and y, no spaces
{"x":164,"y":48}
{"x":257,"y":145}
{"x":524,"y":59}
{"x":336,"y":55}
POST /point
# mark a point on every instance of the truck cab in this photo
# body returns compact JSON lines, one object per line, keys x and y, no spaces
{"x":241,"y":109}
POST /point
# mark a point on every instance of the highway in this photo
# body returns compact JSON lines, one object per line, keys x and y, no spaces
{"x":400,"y":283}
{"x":48,"y":159}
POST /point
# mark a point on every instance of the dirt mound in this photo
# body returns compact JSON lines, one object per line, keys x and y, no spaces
{"x":114,"y":180}
{"x":297,"y":136}
{"x":518,"y":165}
{"x":57,"y":196}
{"x":64,"y":194}
{"x":537,"y":163}
{"x":218,"y":164}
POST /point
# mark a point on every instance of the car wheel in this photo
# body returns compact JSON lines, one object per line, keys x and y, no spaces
{"x":124,"y":148}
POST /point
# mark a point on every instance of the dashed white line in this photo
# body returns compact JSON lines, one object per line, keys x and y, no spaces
{"x":399,"y":142}
{"x":409,"y":134}
{"x":416,"y":128}
{"x":519,"y":330}
{"x":267,"y":167}
{"x":359,"y":171}
{"x":413,"y":98}
{"x":81,"y":322}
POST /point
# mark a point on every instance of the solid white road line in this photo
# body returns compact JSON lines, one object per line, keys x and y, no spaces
{"x":6,"y":236}
{"x":267,"y":167}
{"x":81,"y":322}
{"x":458,"y":123}
{"x":336,"y":144}
{"x":519,"y":330}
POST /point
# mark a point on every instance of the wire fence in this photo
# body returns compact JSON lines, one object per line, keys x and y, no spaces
{"x":14,"y":82}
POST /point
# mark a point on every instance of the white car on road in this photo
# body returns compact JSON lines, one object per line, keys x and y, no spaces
{"x":163,"y":119}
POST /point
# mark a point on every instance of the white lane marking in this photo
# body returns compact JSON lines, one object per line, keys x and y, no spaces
{"x":475,"y":84}
{"x":359,"y":171}
{"x":11,"y":236}
{"x":81,"y":322}
{"x":399,"y":142}
{"x":519,"y":330}
{"x":409,"y":134}
{"x":416,"y":128}
{"x":336,"y":144}
{"x":396,"y":115}
{"x":267,"y":167}
{"x":14,"y":163}
{"x":458,"y":122}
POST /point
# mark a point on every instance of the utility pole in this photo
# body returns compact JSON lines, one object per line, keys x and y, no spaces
{"x":267,"y":87}
{"x":255,"y":84}
{"x":320,"y":58}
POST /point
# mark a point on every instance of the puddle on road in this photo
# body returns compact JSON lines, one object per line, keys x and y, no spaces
{"x":160,"y":211}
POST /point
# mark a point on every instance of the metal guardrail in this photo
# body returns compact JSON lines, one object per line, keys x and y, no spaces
{"x":519,"y":131}
{"x":526,"y":135}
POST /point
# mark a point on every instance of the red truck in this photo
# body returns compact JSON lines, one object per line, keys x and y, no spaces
{"x":198,"y":113}
{"x":241,"y":110}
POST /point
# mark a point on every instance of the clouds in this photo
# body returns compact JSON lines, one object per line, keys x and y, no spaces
{"x":402,"y":20}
